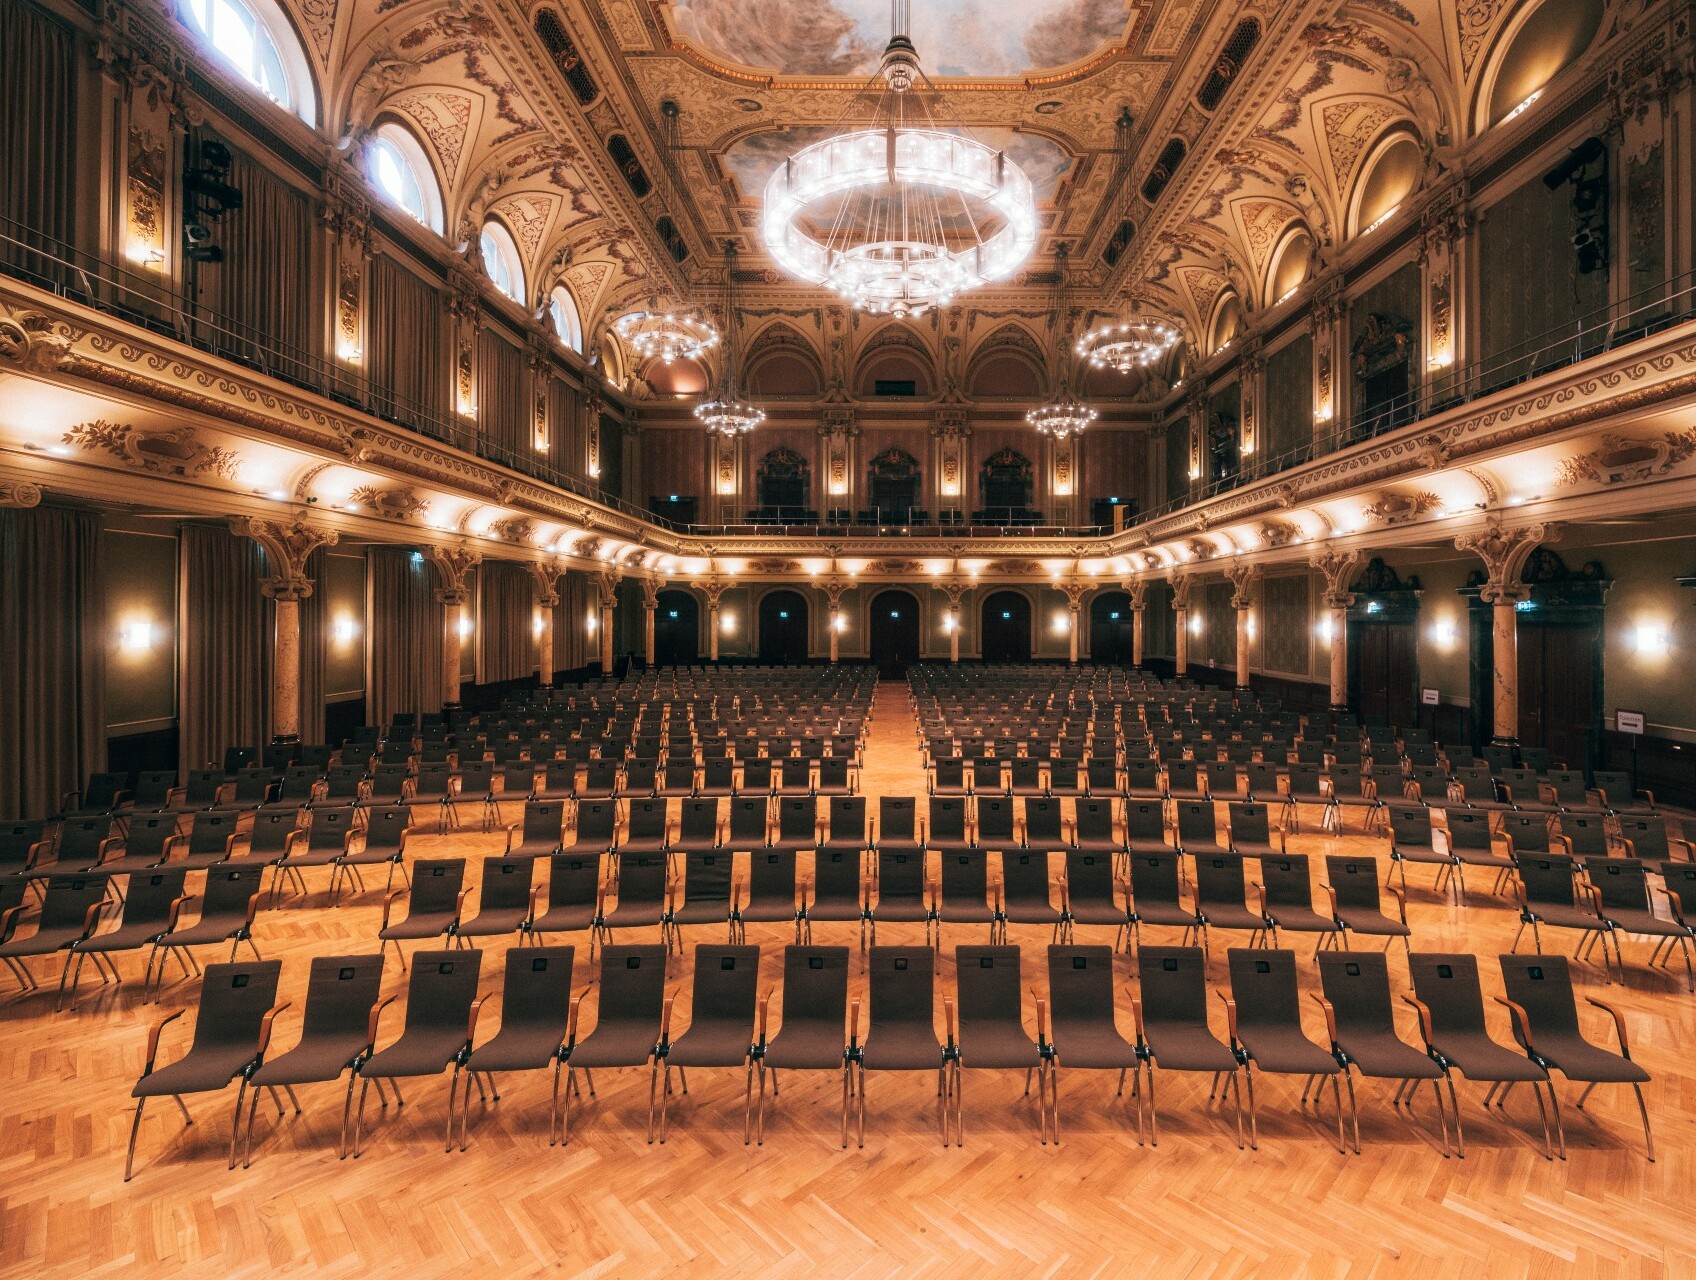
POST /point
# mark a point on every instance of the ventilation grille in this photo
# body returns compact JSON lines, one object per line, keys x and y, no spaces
{"x":618,"y":147}
{"x":563,"y":50}
{"x":1229,"y":63}
{"x":1164,"y":167}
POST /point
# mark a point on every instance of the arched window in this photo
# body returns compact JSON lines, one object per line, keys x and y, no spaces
{"x":892,"y":483}
{"x":255,"y":40}
{"x":1391,"y":172}
{"x":1005,"y":487}
{"x":567,"y":324}
{"x":501,"y":260}
{"x":399,"y":169}
{"x":782,"y":483}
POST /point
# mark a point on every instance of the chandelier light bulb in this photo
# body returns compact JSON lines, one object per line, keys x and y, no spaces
{"x":1133,"y":344}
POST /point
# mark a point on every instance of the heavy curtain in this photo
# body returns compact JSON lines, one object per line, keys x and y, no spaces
{"x":261,"y":293}
{"x":226,"y":646}
{"x":314,"y":637}
{"x":52,"y":657}
{"x":38,"y":149}
{"x":508,"y":604}
{"x":567,"y":449}
{"x":503,"y":395}
{"x":406,"y":636}
{"x":406,"y":350}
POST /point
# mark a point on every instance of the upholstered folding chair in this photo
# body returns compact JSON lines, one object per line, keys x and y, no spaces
{"x":436,"y":902}
{"x":810,"y":1036}
{"x":992,"y":1032}
{"x":1172,"y":1030}
{"x":538,"y":1025}
{"x":441,"y":1022}
{"x":629,"y":1026}
{"x":338,"y":1031}
{"x":1545,"y":1022}
{"x":1263,"y":1013}
{"x":232,"y":1029}
{"x":1351,"y":884}
{"x":723,"y":1009}
{"x":1080,"y":993}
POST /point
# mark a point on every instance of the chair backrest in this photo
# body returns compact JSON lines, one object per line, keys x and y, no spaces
{"x":1468,"y":830}
{"x":1614,"y":784}
{"x":536,"y":991}
{"x":1622,"y":883}
{"x":756,"y":774}
{"x":1095,"y":819}
{"x":995,"y":822}
{"x":797,"y":820}
{"x":234,"y":999}
{"x":771,"y":874}
{"x":228,"y":891}
{"x":1542,"y":986}
{"x":1355,"y":880}
{"x":272,"y":829}
{"x":901,"y":874}
{"x":1528,"y":831}
{"x":1648,"y":837}
{"x":1154,"y":877}
{"x":718,"y":773}
{"x":1196,"y":825}
{"x":796,"y":773}
{"x":749,"y":816}
{"x":1145,"y":822}
{"x":330,"y":827}
{"x":815,"y":985}
{"x":897,"y":819}
{"x":1447,"y":984}
{"x":1218,"y":881}
{"x":436,"y":883}
{"x":1142,"y":775}
{"x":698,"y":821}
{"x":441,"y":988}
{"x":641,"y":879}
{"x":600,"y":776}
{"x":847,"y":820}
{"x":837,"y":875}
{"x":1410,"y":828}
{"x":596,"y":822}
{"x":1357,"y":984}
{"x":148,"y":835}
{"x":1080,"y":989}
{"x":647,"y":821}
{"x":1285,"y":877}
{"x":544,"y":821}
{"x":505,"y":883}
{"x":431,"y":780}
{"x":203,"y":786}
{"x":1221,"y":777}
{"x":1548,"y":878}
{"x":340,"y":991}
{"x":1250,"y":823}
{"x":640,"y":775}
{"x":707,"y":875}
{"x":725,"y":990}
{"x":988,"y":983}
{"x":151,"y":894}
{"x":947,"y":818}
{"x":965,"y":874}
{"x":388,"y":780}
{"x":1263,"y":984}
{"x":518,"y":778}
{"x":101,"y":793}
{"x":385,"y":825}
{"x":1587,"y":833}
{"x":1304,"y":779}
{"x":903,"y":989}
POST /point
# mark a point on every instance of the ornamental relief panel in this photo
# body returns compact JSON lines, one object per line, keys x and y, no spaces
{"x":176,"y":452}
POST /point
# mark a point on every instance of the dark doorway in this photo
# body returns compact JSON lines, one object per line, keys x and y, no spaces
{"x":783,"y":628}
{"x":1110,"y":628}
{"x":894,"y":633}
{"x":677,"y":626}
{"x":1558,"y":662}
{"x":1386,"y":673}
{"x":1006,"y":630}
{"x":892,"y":484}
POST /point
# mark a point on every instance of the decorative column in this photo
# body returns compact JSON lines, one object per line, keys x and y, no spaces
{"x":1181,"y":584}
{"x":1074,"y":600}
{"x":650,"y":606}
{"x":1250,"y":370}
{"x":1241,"y":575}
{"x":1504,"y":553}
{"x":539,"y":355}
{"x":547,"y":575}
{"x":1195,"y":406}
{"x":452,"y":565}
{"x":833,"y":590}
{"x":347,"y":221}
{"x":1138,"y":589}
{"x":465,"y":306}
{"x":592,"y":431}
{"x":954,"y":590}
{"x":287,"y":547}
{"x":1443,"y":273}
{"x":607,"y":581}
{"x":836,"y":435}
{"x":1338,"y":566}
{"x":950,"y":431}
{"x":713,"y":589}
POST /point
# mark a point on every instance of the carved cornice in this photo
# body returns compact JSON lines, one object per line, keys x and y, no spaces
{"x":19,"y":493}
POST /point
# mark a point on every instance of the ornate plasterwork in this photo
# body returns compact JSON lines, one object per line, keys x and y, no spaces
{"x":1397,"y":508}
{"x":1348,"y":127}
{"x":392,"y":502}
{"x":178,"y":451}
{"x":445,"y":117}
{"x":1620,"y":459}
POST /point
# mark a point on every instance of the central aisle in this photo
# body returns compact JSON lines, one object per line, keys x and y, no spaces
{"x":892,"y":764}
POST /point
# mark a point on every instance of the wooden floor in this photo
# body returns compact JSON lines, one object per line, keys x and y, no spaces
{"x":609,"y":1204}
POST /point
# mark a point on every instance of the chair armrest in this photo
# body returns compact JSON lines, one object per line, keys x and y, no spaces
{"x":571,"y":1019}
{"x":1331,"y":897}
{"x":1619,"y":1024}
{"x":153,"y":1034}
{"x":376,"y":1016}
{"x":1629,"y":845}
{"x":173,"y":794}
{"x":1440,"y":836}
{"x":1566,"y":844}
{"x":176,"y":911}
{"x":1042,"y":1020}
{"x":35,"y":852}
{"x":230,"y":845}
{"x":459,"y":904}
{"x":1677,"y":905}
{"x":471,"y":1022}
{"x":764,"y":1013}
{"x":265,"y":1024}
{"x":1506,"y":837}
{"x":535,"y":899}
{"x":1521,"y":1021}
{"x":253,"y":907}
{"x":854,"y":1025}
{"x":1136,"y":1018}
{"x":1401,"y":902}
{"x":1424,"y":1013}
{"x":92,"y":917}
{"x":9,"y":921}
{"x":1259,"y":891}
{"x":389,"y":901}
{"x":948,"y":1020}
{"x":1230,"y":1015}
{"x":665,"y":1023}
{"x":1689,"y":847}
{"x":1330,"y":1014}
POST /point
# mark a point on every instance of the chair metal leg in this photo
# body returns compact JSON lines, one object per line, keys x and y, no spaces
{"x":453,"y":1089}
{"x":1253,"y":1113}
{"x":1354,"y":1110}
{"x":347,"y":1104}
{"x":1643,"y":1110}
{"x":359,"y":1117}
{"x":135,"y":1128}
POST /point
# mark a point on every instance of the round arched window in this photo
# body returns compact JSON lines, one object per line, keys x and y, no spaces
{"x":255,"y":40}
{"x":501,"y":260}
{"x":567,"y":324}
{"x":399,"y":169}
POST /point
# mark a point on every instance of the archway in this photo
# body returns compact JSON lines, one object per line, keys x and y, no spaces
{"x":1110,"y":624}
{"x":677,"y":627}
{"x":1006,"y":628}
{"x":894,"y":632}
{"x":783,"y":628}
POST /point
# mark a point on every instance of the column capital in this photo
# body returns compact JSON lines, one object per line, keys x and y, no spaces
{"x":834,"y":588}
{"x":287,"y":546}
{"x":19,"y":493}
{"x":1337,"y":564}
{"x":547,"y":574}
{"x":1181,"y":584}
{"x":1074,"y":592}
{"x":1240,"y":575}
{"x":1504,"y":592}
{"x":1504,"y":550}
{"x":1137,"y":589}
{"x":651,"y":592}
{"x":954,"y":591}
{"x":452,"y":565}
{"x":713,"y":588}
{"x":607,"y":580}
{"x":1339,"y":599}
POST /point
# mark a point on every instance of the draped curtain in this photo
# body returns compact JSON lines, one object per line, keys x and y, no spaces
{"x":38,"y":150}
{"x":406,"y":636}
{"x":52,"y":657}
{"x":566,"y":449}
{"x":509,"y":645}
{"x":406,"y":347}
{"x":226,"y":646}
{"x":314,"y":636}
{"x":262,"y":291}
{"x":503,"y":396}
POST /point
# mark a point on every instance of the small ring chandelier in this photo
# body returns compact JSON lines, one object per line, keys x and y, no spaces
{"x":1065,"y":415}
{"x":901,"y":215}
{"x":1134,"y":343}
{"x":666,"y":334}
{"x":727,"y":414}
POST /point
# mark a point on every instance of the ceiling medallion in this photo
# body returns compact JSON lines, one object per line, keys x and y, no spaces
{"x":1134,"y":343}
{"x":900,"y":215}
{"x":727,"y":414}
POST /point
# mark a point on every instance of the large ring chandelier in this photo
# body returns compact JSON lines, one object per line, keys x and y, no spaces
{"x":900,"y":216}
{"x":1063,"y":416}
{"x":665,"y":335}
{"x":1134,"y":343}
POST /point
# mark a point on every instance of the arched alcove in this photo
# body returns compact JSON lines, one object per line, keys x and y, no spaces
{"x":1005,"y":630}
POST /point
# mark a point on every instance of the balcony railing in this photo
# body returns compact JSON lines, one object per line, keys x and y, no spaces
{"x":147,"y":299}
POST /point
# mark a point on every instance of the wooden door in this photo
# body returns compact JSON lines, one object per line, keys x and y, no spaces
{"x":1557,"y":689}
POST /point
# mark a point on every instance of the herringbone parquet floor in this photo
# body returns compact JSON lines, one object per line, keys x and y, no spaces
{"x":611,"y":1205}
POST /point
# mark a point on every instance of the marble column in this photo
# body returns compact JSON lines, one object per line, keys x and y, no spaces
{"x":1181,"y":584}
{"x":954,"y":633}
{"x":650,"y":608}
{"x":287,"y":547}
{"x":1137,"y":612}
{"x":1072,"y":616}
{"x":1242,"y":607}
{"x":452,"y":565}
{"x":547,"y":600}
{"x":835,"y":635}
{"x":1504,"y":600}
{"x":1338,"y":602}
{"x":713,"y":591}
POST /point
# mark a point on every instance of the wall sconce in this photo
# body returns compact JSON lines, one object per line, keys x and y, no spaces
{"x":1195,"y":624}
{"x":949,"y":624}
{"x":951,"y":488}
{"x":1651,"y":640}
{"x":541,"y":442}
{"x":838,"y":623}
{"x":1251,"y":626}
{"x":727,"y":623}
{"x":1440,"y":359}
{"x":344,"y":630}
{"x":1195,"y":473}
{"x":1325,"y":630}
{"x":464,"y":626}
{"x":1062,"y":624}
{"x":1443,"y":635}
{"x":349,"y":352}
{"x":467,"y":407}
{"x":1322,"y":413}
{"x":136,"y":636}
{"x":838,"y":488}
{"x":536,"y":627}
